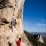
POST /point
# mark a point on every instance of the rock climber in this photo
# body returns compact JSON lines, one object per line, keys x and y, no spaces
{"x":19,"y":42}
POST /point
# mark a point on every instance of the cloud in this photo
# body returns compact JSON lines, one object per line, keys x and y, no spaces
{"x":44,"y":24}
{"x":39,"y":24}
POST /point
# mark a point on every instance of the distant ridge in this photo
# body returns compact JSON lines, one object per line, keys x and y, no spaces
{"x":42,"y":33}
{"x":39,"y":32}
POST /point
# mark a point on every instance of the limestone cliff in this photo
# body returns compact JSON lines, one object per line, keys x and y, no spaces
{"x":11,"y":25}
{"x":41,"y":39}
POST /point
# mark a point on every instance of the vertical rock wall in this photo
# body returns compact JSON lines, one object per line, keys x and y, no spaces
{"x":11,"y":27}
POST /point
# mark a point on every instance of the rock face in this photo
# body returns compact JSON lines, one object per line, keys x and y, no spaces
{"x":41,"y":39}
{"x":11,"y":25}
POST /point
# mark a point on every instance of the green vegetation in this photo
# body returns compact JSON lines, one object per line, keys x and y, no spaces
{"x":33,"y":40}
{"x":44,"y":40}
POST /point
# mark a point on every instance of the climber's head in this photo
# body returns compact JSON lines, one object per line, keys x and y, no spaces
{"x":19,"y":38}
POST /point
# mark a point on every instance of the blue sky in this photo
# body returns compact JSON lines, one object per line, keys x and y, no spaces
{"x":35,"y":15}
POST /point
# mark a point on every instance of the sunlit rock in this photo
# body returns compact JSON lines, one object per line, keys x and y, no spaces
{"x":11,"y":25}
